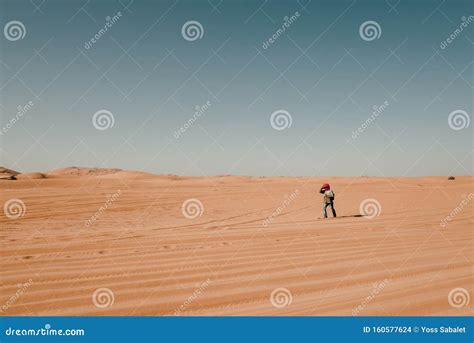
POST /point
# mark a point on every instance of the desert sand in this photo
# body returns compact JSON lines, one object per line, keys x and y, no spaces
{"x":86,"y":231}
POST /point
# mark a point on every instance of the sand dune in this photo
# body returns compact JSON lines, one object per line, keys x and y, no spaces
{"x":254,"y":237}
{"x":30,"y":176}
{"x":6,"y":173}
{"x":82,"y":171}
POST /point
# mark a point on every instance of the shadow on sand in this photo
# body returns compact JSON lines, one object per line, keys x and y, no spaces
{"x":352,"y":216}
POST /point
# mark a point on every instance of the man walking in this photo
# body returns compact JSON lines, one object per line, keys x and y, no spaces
{"x":328,"y":199}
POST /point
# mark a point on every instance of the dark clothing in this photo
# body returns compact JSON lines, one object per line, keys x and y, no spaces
{"x":325,"y":206}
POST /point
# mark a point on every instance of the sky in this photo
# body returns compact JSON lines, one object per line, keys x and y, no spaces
{"x":294,"y":88}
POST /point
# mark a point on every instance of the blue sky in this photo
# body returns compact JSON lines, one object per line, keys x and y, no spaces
{"x":319,"y":71}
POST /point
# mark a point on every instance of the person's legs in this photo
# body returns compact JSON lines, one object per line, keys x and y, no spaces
{"x":325,"y":213}
{"x":333,"y":209}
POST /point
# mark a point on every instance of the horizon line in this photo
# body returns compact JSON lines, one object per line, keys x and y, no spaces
{"x":230,"y":175}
